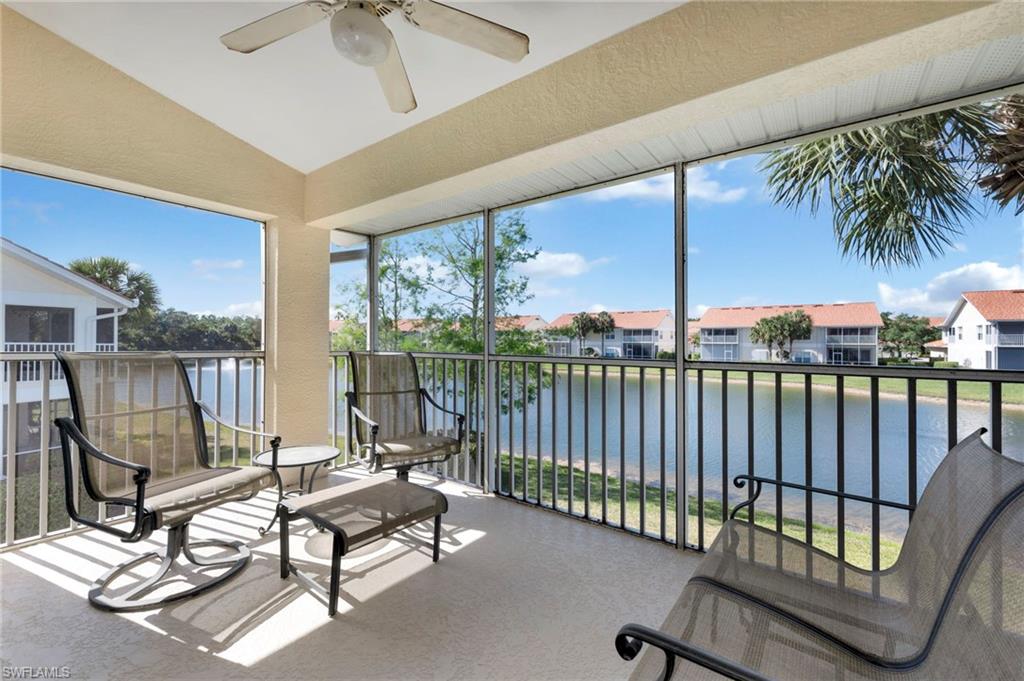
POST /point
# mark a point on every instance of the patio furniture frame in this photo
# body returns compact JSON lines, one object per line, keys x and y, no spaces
{"x":145,"y":519}
{"x":364,"y":499}
{"x":366,"y":450}
{"x":631,"y":637}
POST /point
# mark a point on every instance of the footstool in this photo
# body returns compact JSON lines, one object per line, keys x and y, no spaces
{"x":357,"y":514}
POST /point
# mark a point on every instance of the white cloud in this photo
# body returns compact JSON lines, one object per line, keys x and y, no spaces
{"x":692,"y":250}
{"x":207,"y":265}
{"x":700,"y":186}
{"x":941,"y":292}
{"x":39,"y":210}
{"x":959,"y":247}
{"x":540,"y":289}
{"x":699,"y":310}
{"x":660,"y":188}
{"x":252,"y":309}
{"x":549,"y":264}
{"x":208,"y":268}
{"x":597,"y":307}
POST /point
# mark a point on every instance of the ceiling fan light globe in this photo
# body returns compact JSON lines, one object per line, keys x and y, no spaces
{"x":360,"y":36}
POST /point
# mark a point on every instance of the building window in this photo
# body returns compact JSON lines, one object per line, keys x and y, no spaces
{"x":28,"y":324}
{"x":959,"y":333}
{"x":979,"y":332}
{"x":610,"y":336}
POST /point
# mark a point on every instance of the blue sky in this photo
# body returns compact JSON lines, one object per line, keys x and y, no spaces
{"x":612,"y":249}
{"x":202,"y":261}
{"x":609,"y":249}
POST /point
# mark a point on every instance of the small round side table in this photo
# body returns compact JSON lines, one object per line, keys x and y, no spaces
{"x":294,"y":457}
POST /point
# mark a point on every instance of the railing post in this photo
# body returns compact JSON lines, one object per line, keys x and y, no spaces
{"x":490,"y":404}
{"x":682,"y":499}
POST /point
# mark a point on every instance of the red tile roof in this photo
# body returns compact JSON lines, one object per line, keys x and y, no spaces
{"x":516,"y":321}
{"x":939,"y":343}
{"x":834,"y":314}
{"x":998,"y":306}
{"x":629,"y":319}
{"x":936,"y":321}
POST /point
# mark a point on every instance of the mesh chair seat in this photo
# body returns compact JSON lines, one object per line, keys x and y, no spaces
{"x":416,"y":449}
{"x":951,"y":607}
{"x":175,"y":501}
{"x":141,"y":445}
{"x":387,"y":413}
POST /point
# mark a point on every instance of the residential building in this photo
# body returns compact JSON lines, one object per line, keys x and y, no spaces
{"x":640,"y":334}
{"x":841,"y":333}
{"x":48,"y":308}
{"x":937,"y":349}
{"x":985,"y":329}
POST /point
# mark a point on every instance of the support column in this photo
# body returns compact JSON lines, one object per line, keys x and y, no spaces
{"x":372,"y":293}
{"x":682,"y":339}
{"x":489,"y":483}
{"x":296,"y":338}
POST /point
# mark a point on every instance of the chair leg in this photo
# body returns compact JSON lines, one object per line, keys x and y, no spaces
{"x":437,"y":537}
{"x":177,"y":544}
{"x":402,"y":474}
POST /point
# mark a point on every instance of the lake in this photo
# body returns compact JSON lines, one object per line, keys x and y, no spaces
{"x":931,"y":435}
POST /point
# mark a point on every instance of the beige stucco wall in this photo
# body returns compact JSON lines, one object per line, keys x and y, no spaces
{"x":677,"y":58}
{"x":65,"y":113}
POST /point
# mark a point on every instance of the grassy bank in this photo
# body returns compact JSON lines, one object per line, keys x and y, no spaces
{"x":826,"y":537}
{"x":974,"y":391}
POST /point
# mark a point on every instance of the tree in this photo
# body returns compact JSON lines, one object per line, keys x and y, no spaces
{"x":583,"y":323}
{"x":904,"y":334}
{"x":171,"y":329}
{"x":796,"y":325}
{"x":399,"y":291}
{"x":767,"y":331}
{"x":781,"y":331}
{"x":1005,"y":155}
{"x":900,"y":190}
{"x":118,"y":275}
{"x":604,"y":323}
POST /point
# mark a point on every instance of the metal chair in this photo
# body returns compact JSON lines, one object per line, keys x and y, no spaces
{"x":142,"y":446}
{"x":387,"y":416}
{"x":763,"y":605}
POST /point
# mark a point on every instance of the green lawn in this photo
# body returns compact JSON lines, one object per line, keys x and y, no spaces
{"x":858,"y":544}
{"x":1013,"y":393}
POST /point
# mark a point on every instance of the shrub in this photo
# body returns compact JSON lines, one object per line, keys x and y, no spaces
{"x":664,"y":354}
{"x":942,"y":364}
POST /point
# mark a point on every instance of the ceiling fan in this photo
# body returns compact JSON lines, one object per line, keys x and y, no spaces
{"x":361,"y":36}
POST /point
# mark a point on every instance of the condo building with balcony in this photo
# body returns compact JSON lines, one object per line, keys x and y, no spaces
{"x":841,"y":333}
{"x":638,"y":334}
{"x":985,"y":329}
{"x":47,"y":308}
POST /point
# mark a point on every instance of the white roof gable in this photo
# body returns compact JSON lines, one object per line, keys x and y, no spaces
{"x":8,"y":247}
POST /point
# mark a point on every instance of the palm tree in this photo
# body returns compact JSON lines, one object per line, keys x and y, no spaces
{"x":1005,"y":182}
{"x":582,"y":324}
{"x":604,"y":323}
{"x":900,"y":190}
{"x":118,"y":275}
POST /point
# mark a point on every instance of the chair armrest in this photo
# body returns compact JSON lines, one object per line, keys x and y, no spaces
{"x":461,"y":418}
{"x":353,"y":410}
{"x":631,"y":638}
{"x":70,"y":432}
{"x":208,"y":410}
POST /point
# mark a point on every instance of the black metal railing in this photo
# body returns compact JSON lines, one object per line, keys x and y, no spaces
{"x":890,"y":465}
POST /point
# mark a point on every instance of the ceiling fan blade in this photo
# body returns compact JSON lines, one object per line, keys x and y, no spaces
{"x":468,"y":29}
{"x":273,"y":27}
{"x":395,"y":82}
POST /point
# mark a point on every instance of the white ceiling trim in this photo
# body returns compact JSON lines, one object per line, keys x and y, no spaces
{"x":988,"y":66}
